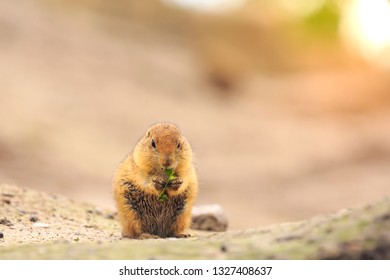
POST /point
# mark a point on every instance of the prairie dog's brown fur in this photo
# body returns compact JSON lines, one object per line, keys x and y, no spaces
{"x":139,"y":181}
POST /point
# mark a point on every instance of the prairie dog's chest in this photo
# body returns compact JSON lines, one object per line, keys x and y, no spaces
{"x":157,"y":217}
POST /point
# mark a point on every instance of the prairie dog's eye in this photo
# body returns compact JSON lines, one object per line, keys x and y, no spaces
{"x":179,"y":145}
{"x":153,"y":144}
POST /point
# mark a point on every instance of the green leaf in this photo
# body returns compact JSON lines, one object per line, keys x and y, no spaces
{"x":170,"y":174}
{"x":163,"y":196}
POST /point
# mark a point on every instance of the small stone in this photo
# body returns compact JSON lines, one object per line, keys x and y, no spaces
{"x":34,"y":219}
{"x":98,"y":211}
{"x":6,"y":222}
{"x":223,"y":248}
{"x":91,"y":226}
{"x":6,"y":201}
{"x":209,"y":218}
{"x":1,"y":235}
{"x":109,"y":216}
{"x":41,"y":225}
{"x":22,"y":212}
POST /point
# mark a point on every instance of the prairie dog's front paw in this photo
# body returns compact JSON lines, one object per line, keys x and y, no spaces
{"x":175,"y":183}
{"x":158,"y":183}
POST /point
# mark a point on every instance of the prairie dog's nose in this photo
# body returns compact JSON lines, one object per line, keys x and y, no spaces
{"x":167,"y":163}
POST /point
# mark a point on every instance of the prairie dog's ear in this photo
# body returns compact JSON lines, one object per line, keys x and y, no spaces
{"x":148,"y":134}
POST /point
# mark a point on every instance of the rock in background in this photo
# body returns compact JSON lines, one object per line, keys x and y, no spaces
{"x":209,"y":218}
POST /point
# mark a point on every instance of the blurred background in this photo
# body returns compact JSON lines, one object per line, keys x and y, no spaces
{"x":286,"y":103}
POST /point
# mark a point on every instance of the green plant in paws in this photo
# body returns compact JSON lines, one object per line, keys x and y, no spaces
{"x":163,"y":196}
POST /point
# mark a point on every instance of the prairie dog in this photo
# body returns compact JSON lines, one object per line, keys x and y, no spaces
{"x":141,"y":178}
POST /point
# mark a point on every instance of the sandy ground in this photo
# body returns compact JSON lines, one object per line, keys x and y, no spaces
{"x":54,"y":227}
{"x":29,"y":217}
{"x":75,"y":99}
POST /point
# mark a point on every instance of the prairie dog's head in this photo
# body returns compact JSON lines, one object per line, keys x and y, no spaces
{"x":163,"y":147}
